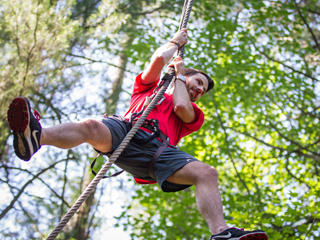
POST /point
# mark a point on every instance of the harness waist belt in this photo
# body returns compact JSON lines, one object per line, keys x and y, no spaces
{"x":165,"y":143}
{"x":158,"y":134}
{"x":162,"y":137}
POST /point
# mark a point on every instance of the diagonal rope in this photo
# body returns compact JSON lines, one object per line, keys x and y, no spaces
{"x":168,"y":77}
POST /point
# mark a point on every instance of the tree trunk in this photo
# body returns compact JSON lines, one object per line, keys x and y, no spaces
{"x":82,"y":225}
{"x":81,"y":228}
{"x":113,"y":98}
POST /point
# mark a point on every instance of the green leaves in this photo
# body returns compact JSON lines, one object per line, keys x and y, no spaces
{"x":261,"y":129}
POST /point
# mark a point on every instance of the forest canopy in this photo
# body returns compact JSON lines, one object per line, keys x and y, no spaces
{"x":78,"y":59}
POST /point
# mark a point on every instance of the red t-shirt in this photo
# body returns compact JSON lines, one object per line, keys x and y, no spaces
{"x":169,"y":123}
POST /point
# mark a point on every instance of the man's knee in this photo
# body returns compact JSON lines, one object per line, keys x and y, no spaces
{"x":98,"y":135}
{"x":90,"y":125}
{"x":95,"y":129}
{"x":208,"y":174}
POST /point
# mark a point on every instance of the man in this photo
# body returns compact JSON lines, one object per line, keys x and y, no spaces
{"x":178,"y":116}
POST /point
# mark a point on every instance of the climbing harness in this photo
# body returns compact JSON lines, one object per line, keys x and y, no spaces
{"x":152,"y":125}
{"x":166,"y":81}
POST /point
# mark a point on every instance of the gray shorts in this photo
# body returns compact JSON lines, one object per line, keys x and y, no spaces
{"x":136,"y":157}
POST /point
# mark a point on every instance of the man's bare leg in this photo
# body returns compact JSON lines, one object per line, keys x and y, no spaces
{"x":208,"y":198}
{"x":69,"y":135}
{"x":28,"y":135}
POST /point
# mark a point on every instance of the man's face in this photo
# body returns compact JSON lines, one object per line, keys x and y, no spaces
{"x":197,"y":86}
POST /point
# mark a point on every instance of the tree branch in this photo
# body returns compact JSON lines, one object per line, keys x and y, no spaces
{"x":313,"y":11}
{"x":61,"y":68}
{"x":301,"y":109}
{"x":312,"y":222}
{"x":298,"y":151}
{"x":290,"y":140}
{"x":307,"y":25}
{"x":148,"y":12}
{"x":254,"y":178}
{"x":294,"y":176}
{"x":227,"y":141}
{"x":25,"y":170}
{"x":257,"y":139}
{"x":34,"y":222}
{"x":285,"y":65}
{"x":15,"y":199}
{"x":64,"y":186}
{"x":89,"y":8}
{"x":29,"y":56}
{"x":100,"y":61}
{"x":182,"y":231}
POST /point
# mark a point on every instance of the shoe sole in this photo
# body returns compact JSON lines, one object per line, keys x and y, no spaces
{"x":254,"y":236}
{"x":19,"y":118}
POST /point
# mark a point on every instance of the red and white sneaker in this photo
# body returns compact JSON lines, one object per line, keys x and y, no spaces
{"x":240,"y":234}
{"x":26,"y":128}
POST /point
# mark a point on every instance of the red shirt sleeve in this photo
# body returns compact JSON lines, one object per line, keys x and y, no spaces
{"x":140,"y":87}
{"x":139,"y":94}
{"x":199,"y":119}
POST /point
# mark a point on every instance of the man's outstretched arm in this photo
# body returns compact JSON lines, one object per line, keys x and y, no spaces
{"x":162,"y":56}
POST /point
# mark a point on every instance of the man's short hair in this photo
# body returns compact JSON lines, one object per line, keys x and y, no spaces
{"x":191,"y":71}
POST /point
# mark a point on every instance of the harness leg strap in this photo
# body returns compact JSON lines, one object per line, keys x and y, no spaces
{"x":155,"y":158}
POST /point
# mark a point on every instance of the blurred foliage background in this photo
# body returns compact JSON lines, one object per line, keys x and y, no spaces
{"x":78,"y":59}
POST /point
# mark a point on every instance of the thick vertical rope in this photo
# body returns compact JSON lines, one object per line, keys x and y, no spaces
{"x":125,"y":141}
{"x":184,"y":21}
